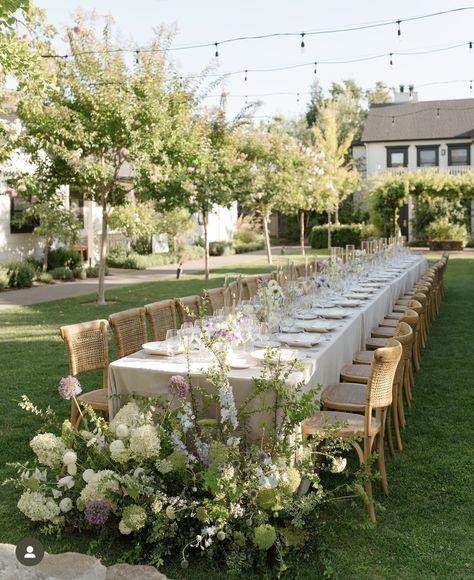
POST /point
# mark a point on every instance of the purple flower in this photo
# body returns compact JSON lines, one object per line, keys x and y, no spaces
{"x":179,"y":385}
{"x":97,"y":512}
{"x":69,"y":387}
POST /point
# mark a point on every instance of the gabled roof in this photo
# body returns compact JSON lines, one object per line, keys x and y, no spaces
{"x":448,"y":119}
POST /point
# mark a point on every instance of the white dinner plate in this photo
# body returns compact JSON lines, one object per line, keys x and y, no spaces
{"x":298,"y":340}
{"x":267,"y":343}
{"x":284,"y":354}
{"x":159,"y":348}
{"x":306,"y":315}
{"x":237,"y":362}
{"x":346,"y":303}
{"x":358,"y":296}
{"x":335,"y":313}
{"x":317,"y":325}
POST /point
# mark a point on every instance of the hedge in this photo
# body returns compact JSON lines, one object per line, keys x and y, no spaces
{"x":341,"y":235}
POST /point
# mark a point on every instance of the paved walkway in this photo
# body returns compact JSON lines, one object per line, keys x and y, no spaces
{"x":118,"y":278}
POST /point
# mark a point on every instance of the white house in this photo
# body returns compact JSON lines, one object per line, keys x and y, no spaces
{"x":410,"y":135}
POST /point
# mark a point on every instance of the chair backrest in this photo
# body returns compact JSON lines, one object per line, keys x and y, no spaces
{"x":214,"y":299}
{"x":161,"y":317}
{"x":129,"y":328}
{"x":382,"y":374}
{"x":405,"y":336}
{"x":232,"y":293}
{"x":189,"y":308}
{"x":251,"y":285}
{"x":301,"y":270}
{"x":87,"y":347}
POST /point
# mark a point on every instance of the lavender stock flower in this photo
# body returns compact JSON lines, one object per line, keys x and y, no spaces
{"x":69,"y":387}
{"x":179,"y":385}
{"x":97,"y":512}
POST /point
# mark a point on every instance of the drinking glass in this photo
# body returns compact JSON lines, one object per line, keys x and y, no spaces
{"x":172,"y":341}
{"x":187,"y":334}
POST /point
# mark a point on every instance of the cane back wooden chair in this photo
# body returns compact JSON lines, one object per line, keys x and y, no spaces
{"x":161,"y":317}
{"x":87,"y":349}
{"x":371,"y":424}
{"x":215,"y":299}
{"x":189,"y":308}
{"x":129,"y":328}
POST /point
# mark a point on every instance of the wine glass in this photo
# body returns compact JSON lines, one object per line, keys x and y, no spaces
{"x":172,"y":341}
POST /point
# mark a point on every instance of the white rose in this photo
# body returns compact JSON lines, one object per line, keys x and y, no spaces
{"x":88,"y":475}
{"x":122,"y":431}
{"x":123,"y":528}
{"x":338,"y":464}
{"x":72,"y":469}
{"x":65,"y":505}
{"x":69,"y":458}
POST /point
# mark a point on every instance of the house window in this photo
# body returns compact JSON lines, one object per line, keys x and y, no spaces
{"x":76,"y":205}
{"x":16,"y":210}
{"x":397,"y":156}
{"x":427,"y":155}
{"x":459,"y":154}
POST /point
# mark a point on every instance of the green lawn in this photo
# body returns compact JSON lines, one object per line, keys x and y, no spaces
{"x":425,"y":529}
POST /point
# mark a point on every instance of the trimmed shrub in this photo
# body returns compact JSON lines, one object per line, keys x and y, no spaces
{"x":191,"y":253}
{"x":93,"y":271}
{"x":79,"y":273}
{"x":20,"y":274}
{"x":220,"y":249}
{"x":37,"y":264}
{"x":45,"y":278}
{"x":444,"y":230}
{"x":117,"y":256}
{"x":242,"y":248}
{"x":4,"y":278}
{"x":341,"y":235}
{"x":418,"y":244}
{"x":65,"y":258}
{"x":62,"y":273}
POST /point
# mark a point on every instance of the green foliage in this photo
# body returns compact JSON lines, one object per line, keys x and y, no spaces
{"x":62,"y":273}
{"x":93,"y":271}
{"x":20,"y":274}
{"x":64,"y":257}
{"x":4,"y":277}
{"x":444,"y":230}
{"x":388,"y":195}
{"x":45,"y":278}
{"x":247,"y":230}
{"x":341,"y":235}
{"x":243,"y":248}
{"x":79,"y":273}
{"x":432,"y":209}
{"x":220,"y":249}
{"x":135,"y":220}
{"x":176,"y":223}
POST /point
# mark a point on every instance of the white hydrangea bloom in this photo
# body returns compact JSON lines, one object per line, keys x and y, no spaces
{"x":87,"y":475}
{"x":49,"y":449}
{"x":128,"y":415}
{"x":122,"y":431}
{"x":99,"y":487}
{"x":37,"y":507}
{"x":144,"y":442}
{"x":69,"y":458}
{"x":65,"y":505}
{"x":123,"y":528}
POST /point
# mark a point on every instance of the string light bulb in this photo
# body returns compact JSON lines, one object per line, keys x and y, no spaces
{"x":399,"y":32}
{"x":391,"y":59}
{"x":315,"y":68}
{"x":470,"y":46}
{"x":137,"y":57}
{"x":437,"y":113}
{"x":393,"y":121}
{"x":246,"y":74}
{"x":216,"y":54}
{"x":297,"y":97}
{"x":470,"y":86}
{"x":302,"y":45}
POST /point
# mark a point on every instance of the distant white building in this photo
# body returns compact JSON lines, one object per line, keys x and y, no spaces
{"x":408,"y":136}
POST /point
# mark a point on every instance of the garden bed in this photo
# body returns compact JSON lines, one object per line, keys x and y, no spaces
{"x":446,"y":245}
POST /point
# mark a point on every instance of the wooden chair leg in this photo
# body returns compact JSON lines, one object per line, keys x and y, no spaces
{"x":394,"y":412}
{"x":388,"y":430}
{"x":381,"y":464}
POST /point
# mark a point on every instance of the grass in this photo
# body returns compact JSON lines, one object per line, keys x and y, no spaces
{"x":425,"y":527}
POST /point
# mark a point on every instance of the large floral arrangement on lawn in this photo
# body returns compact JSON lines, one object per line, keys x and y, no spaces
{"x":181,"y":483}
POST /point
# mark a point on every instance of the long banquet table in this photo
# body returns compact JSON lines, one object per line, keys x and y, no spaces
{"x":148,"y":375}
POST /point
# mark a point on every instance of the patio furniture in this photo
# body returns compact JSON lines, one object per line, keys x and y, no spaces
{"x":161,"y":317}
{"x":189,"y":308}
{"x":129,"y":328}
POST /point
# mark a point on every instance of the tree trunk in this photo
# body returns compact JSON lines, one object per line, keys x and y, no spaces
{"x":266,"y":235}
{"x":336,"y":215}
{"x":103,"y":252}
{"x":302,"y":224}
{"x":47,"y":247}
{"x":205,"y":219}
{"x":329,"y":230}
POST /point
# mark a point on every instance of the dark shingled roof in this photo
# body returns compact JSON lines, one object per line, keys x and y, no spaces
{"x":413,"y":121}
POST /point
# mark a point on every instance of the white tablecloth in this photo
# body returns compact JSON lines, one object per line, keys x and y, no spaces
{"x":148,"y":375}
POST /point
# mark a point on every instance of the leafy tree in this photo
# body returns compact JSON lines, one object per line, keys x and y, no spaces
{"x":175,"y":223}
{"x":89,"y":124}
{"x":308,"y":191}
{"x":380,"y":95}
{"x":270,"y":174}
{"x":135,"y":220}
{"x":316,"y":103}
{"x":340,"y":175}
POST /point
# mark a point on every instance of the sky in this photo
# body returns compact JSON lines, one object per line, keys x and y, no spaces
{"x":202,"y":21}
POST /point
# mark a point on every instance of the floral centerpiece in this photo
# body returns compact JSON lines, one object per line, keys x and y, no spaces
{"x":270,"y":297}
{"x":179,"y":482}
